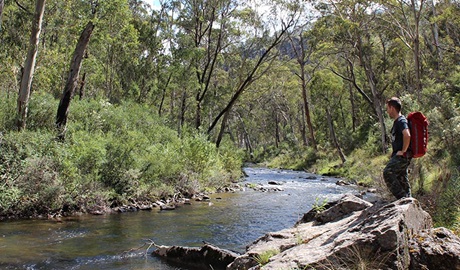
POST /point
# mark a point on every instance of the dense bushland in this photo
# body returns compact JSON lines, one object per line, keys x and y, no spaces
{"x":113,"y":154}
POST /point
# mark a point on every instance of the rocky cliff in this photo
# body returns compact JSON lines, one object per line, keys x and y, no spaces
{"x":349,"y":234}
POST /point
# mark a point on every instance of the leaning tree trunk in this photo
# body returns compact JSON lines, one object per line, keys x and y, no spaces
{"x":223,"y":125}
{"x":72,"y":80}
{"x":81,"y":92}
{"x":2,"y":2}
{"x":29,"y":65}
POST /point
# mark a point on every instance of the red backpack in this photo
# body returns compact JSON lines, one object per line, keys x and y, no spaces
{"x":418,"y":125}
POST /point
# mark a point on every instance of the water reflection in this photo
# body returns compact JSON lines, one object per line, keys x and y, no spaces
{"x":231,"y":221}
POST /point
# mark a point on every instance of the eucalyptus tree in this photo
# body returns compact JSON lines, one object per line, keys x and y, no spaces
{"x":153,"y":73}
{"x":204,"y":28}
{"x":303,"y":51}
{"x":280,"y":105}
{"x":72,"y":80}
{"x":435,"y":45}
{"x":349,"y":31}
{"x":405,"y":17}
{"x":63,"y":22}
{"x":13,"y":43}
{"x":114,"y":49}
{"x":446,"y":20}
{"x":264,"y":48}
{"x":328,"y":92}
{"x":29,"y":65}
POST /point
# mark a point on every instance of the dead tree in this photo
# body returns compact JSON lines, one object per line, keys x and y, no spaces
{"x":72,"y":80}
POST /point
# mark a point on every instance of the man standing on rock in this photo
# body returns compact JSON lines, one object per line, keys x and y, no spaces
{"x":395,"y":173}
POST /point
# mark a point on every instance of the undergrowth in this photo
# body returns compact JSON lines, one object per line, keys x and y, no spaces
{"x":111,"y":155}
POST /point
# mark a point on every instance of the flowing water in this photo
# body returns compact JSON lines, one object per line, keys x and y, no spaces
{"x":115,"y":241}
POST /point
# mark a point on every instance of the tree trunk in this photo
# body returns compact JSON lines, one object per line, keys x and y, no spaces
{"x":246,"y":138}
{"x":277,"y":130}
{"x":302,"y":122}
{"x":2,"y":2}
{"x":308,"y":115}
{"x":81,"y":92}
{"x":163,"y":96}
{"x":416,"y":46}
{"x":353,"y":110}
{"x":435,"y":32}
{"x":223,"y":125}
{"x":333,"y":136}
{"x":183,"y":108}
{"x":198,"y":114}
{"x":301,"y":55}
{"x":29,"y":65}
{"x":72,"y":80}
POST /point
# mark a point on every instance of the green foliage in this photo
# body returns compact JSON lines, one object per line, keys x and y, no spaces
{"x":448,"y":207}
{"x":41,"y":188}
{"x":8,"y":112}
{"x":300,"y":158}
{"x":112,"y":153}
{"x":319,"y":205}
{"x":30,"y":175}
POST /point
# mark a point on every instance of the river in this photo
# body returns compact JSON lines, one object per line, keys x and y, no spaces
{"x":115,"y":241}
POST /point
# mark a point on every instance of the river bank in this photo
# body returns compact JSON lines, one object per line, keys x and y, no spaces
{"x":171,"y":202}
{"x":229,"y":220}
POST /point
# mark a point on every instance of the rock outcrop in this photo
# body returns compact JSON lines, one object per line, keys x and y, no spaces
{"x":354,"y":234}
{"x":436,"y":249}
{"x":206,"y":257}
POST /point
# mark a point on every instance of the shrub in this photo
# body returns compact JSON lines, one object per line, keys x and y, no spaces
{"x":448,"y":207}
{"x":7,"y":113}
{"x":9,"y":195}
{"x":41,"y":190}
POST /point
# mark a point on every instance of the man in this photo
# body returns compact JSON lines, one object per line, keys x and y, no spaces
{"x":395,"y":173}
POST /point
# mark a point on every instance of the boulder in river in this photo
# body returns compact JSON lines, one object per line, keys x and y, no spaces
{"x":205,"y":257}
{"x":276,"y":183}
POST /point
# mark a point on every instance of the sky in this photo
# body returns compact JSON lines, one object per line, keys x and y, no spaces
{"x":153,"y":3}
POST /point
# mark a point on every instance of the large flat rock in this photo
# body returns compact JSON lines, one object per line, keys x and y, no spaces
{"x":351,"y":232}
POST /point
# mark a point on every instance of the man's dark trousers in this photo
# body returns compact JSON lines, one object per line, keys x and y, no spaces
{"x":395,"y":175}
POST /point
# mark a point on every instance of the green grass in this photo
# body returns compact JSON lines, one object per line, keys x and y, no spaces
{"x":264,"y":257}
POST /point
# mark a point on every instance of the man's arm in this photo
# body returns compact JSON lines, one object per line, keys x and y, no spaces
{"x":406,"y":142}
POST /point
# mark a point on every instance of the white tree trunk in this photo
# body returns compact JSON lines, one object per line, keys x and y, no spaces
{"x":29,"y":65}
{"x":2,"y":2}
